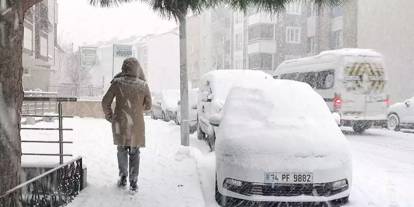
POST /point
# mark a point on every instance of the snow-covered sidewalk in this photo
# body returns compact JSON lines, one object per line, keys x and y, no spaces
{"x":167,"y":176}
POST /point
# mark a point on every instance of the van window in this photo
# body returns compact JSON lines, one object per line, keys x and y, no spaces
{"x":318,"y":80}
{"x":325,"y":79}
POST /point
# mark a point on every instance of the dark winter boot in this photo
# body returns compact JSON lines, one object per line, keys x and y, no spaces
{"x":122,"y":181}
{"x":133,"y":186}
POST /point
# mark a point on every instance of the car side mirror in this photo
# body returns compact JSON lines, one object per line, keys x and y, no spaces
{"x":215,"y":120}
{"x":407,"y":104}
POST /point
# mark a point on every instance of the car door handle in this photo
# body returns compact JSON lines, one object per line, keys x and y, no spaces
{"x":202,"y":109}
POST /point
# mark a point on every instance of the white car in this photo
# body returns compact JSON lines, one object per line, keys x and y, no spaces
{"x":192,"y":98}
{"x":401,"y":115}
{"x":278,"y":142}
{"x":169,"y":100}
{"x":214,"y":87}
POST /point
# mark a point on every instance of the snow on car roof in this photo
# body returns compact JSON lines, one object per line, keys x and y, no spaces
{"x":222,"y":81}
{"x":278,"y":116}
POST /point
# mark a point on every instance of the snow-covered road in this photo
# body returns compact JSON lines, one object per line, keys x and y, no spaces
{"x":174,"y":176}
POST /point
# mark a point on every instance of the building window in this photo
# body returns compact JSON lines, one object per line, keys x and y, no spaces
{"x":337,"y":39}
{"x":311,"y":45}
{"x":337,"y":11}
{"x":260,"y":61}
{"x":293,"y":35}
{"x":294,"y":8}
{"x":28,"y":39}
{"x":261,"y":32}
{"x":43,"y":46}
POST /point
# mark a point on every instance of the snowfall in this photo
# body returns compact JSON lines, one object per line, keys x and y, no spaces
{"x":172,"y":175}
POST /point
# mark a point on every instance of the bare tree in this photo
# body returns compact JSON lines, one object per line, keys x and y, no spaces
{"x":78,"y":76}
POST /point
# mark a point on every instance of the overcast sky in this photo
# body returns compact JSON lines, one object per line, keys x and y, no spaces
{"x":81,"y":23}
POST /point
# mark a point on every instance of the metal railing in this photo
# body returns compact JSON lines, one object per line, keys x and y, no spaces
{"x":60,"y":129}
{"x":56,"y":187}
{"x":39,"y":107}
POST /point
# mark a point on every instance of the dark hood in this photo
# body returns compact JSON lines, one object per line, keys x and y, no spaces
{"x":131,"y":68}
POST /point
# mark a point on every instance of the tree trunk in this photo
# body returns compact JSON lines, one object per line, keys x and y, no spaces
{"x":11,"y":93}
{"x":185,"y":129}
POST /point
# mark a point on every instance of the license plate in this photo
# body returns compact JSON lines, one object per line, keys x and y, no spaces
{"x":288,"y":177}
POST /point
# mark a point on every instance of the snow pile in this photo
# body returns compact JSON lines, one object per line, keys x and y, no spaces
{"x":279,"y":120}
{"x":221,"y":81}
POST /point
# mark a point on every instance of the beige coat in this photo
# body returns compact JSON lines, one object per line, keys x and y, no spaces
{"x":132,"y":95}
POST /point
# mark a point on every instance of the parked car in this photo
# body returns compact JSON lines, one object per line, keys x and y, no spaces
{"x":401,"y":115}
{"x":213,"y":91}
{"x":192,"y":98}
{"x":275,"y":146}
{"x":352,"y":82}
{"x":156,"y":110}
{"x":169,"y":99}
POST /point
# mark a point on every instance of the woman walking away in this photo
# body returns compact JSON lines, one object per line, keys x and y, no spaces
{"x":132,"y":95}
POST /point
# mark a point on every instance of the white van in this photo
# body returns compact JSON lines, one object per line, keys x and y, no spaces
{"x":351,"y":81}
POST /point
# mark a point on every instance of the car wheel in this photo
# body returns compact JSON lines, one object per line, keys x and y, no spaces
{"x":200,"y":134}
{"x":393,"y":122}
{"x":176,"y":119}
{"x":360,"y":127}
{"x":164,"y":117}
{"x":211,"y":141}
{"x":220,"y":199}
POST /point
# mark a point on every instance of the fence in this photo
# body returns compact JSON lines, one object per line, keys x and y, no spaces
{"x":58,"y":101}
{"x":56,"y":187}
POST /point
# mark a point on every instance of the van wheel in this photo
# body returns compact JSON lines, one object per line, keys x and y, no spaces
{"x":393,"y":122}
{"x":361,"y":126}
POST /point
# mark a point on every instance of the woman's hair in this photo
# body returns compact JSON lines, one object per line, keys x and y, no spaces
{"x":131,"y":67}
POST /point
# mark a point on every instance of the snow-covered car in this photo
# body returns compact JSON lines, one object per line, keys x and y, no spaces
{"x":156,"y":110}
{"x":278,"y":142}
{"x":192,"y":98}
{"x":401,"y":115}
{"x":214,"y":87}
{"x":169,"y":100}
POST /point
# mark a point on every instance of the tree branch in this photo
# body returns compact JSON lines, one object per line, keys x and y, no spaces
{"x":27,"y":4}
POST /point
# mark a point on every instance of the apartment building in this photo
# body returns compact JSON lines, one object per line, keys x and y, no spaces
{"x":40,"y":45}
{"x":261,"y":41}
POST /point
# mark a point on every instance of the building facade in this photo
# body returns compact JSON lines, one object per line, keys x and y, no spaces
{"x":40,"y":45}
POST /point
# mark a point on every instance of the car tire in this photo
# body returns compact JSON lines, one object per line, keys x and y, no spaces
{"x":220,"y":199}
{"x":176,"y":119}
{"x":200,"y":134}
{"x":164,"y":117}
{"x":393,"y":122}
{"x":211,"y":141}
{"x":360,"y":127}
